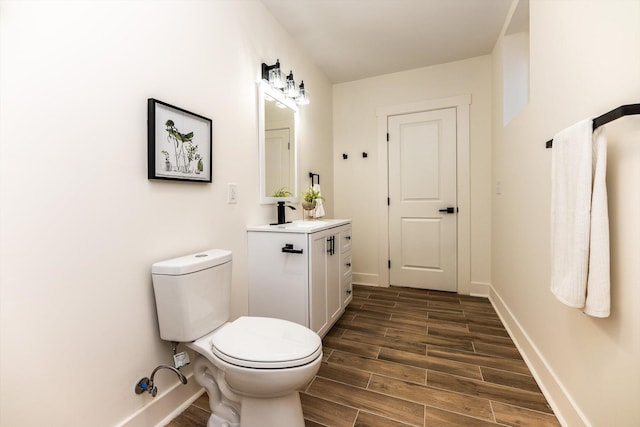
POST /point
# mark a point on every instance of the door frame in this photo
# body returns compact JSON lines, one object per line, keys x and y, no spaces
{"x":461,"y":103}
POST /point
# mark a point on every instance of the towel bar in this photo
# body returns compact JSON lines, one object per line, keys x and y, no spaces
{"x":312,"y":176}
{"x":624,"y":110}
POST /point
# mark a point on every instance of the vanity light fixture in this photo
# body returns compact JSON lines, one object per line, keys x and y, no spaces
{"x":290,"y":88}
{"x":273,"y":75}
{"x":302,"y":95}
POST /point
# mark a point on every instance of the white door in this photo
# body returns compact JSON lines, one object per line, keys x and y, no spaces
{"x":277,"y":155}
{"x":422,"y":183}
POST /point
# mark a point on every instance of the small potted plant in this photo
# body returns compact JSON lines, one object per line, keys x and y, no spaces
{"x":282,"y":192}
{"x":309,"y":198}
{"x":200,"y":166}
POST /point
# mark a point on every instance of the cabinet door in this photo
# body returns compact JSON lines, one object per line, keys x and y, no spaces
{"x":318,"y":283}
{"x":278,"y":280}
{"x":334,"y":300}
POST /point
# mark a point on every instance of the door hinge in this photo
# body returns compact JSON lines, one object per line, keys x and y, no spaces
{"x":387,"y":136}
{"x":388,"y":201}
{"x":389,"y":264}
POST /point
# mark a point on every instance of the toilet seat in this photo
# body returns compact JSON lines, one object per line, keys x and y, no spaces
{"x":265,"y":343}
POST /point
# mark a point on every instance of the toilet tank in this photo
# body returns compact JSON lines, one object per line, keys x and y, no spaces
{"x":192,"y":294}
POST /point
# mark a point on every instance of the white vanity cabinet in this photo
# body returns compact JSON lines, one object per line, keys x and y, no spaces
{"x":301,"y":272}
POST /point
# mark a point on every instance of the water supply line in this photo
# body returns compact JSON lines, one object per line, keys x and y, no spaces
{"x":146,"y":384}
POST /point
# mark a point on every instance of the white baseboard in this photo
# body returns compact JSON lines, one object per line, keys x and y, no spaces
{"x":479,"y":289}
{"x":165,"y":407}
{"x":366,"y":279}
{"x":563,"y":405}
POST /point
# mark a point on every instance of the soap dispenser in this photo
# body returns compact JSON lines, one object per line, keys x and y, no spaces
{"x":281,"y":215}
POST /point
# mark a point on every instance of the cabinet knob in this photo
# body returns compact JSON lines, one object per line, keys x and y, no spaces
{"x":347,"y":237}
{"x":348,"y":264}
{"x":349,"y":291}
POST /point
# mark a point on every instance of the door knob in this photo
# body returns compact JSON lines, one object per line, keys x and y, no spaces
{"x":448,"y":210}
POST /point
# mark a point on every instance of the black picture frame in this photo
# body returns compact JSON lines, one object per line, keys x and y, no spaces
{"x":179,"y":143}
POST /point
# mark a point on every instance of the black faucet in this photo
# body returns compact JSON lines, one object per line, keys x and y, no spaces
{"x":281,"y":216}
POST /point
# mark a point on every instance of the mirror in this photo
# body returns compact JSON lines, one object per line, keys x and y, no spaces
{"x":278,"y":119}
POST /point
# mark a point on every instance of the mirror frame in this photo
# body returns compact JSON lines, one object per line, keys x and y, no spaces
{"x":265,"y":90}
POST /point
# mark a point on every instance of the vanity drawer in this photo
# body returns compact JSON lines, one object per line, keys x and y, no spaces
{"x":347,"y":290}
{"x":346,"y":265}
{"x":345,"y":236}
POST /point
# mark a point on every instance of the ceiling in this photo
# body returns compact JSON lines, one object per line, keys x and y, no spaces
{"x":355,"y":39}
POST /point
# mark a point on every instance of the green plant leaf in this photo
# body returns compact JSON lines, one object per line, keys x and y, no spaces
{"x":282,"y":192}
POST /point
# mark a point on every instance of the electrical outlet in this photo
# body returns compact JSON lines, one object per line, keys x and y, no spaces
{"x":232,"y":192}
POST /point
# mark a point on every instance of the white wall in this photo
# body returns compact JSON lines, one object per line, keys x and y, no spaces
{"x":585,"y":61}
{"x":357,"y":179}
{"x":80,"y":222}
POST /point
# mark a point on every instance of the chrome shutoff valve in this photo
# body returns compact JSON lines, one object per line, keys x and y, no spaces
{"x":146,"y":384}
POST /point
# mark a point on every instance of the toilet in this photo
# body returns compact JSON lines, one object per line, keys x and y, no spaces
{"x":252,"y":367}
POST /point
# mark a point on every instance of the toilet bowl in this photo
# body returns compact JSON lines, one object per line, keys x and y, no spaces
{"x":259,"y":365}
{"x":252,"y":367}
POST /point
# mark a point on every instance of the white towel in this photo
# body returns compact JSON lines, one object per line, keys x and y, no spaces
{"x":318,"y":212}
{"x":570,"y":212}
{"x":598,"y":281}
{"x":580,"y":220}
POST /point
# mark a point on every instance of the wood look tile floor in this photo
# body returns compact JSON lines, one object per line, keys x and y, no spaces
{"x":409,"y":357}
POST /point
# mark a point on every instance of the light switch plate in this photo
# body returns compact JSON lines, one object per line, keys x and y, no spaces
{"x":232,"y":192}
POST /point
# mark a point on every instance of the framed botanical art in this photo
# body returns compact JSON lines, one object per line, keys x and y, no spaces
{"x":179,"y":143}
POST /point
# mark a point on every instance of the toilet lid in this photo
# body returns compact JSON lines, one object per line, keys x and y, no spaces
{"x":267,"y":343}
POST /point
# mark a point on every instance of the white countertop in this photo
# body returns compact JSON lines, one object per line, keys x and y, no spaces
{"x":309,"y":226}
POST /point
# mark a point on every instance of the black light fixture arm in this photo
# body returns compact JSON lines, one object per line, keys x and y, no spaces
{"x":266,"y":68}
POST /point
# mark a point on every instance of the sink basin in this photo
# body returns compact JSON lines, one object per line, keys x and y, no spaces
{"x":307,"y":224}
{"x":301,"y":224}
